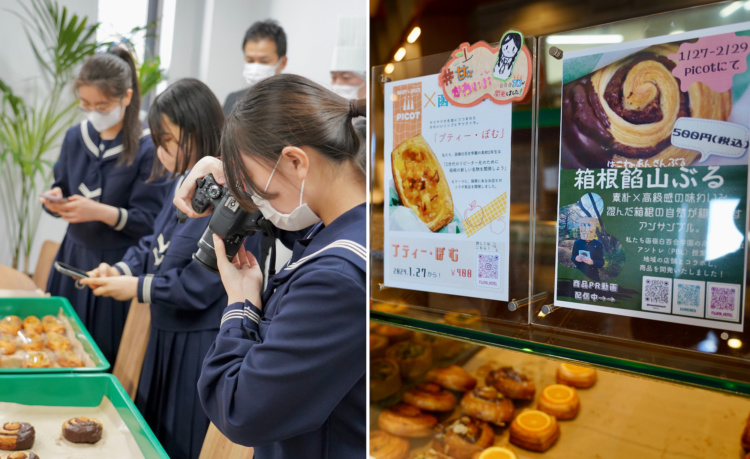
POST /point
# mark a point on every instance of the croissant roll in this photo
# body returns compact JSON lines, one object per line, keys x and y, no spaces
{"x":16,"y":435}
{"x":452,"y":377}
{"x":430,"y":397}
{"x":407,"y":421}
{"x":33,"y":324}
{"x":487,"y":404}
{"x":386,"y":446}
{"x":511,"y":383}
{"x":464,"y":438}
{"x":10,"y":325}
{"x":385,"y":379}
{"x":52,"y":324}
{"x":627,"y":109}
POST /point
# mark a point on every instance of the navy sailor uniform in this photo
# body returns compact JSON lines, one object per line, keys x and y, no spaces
{"x":88,"y":166}
{"x":186,"y":302}
{"x":290,"y":380}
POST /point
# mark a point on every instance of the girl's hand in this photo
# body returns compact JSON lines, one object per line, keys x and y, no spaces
{"x":121,"y":288}
{"x":104,"y":270}
{"x":53,"y":207}
{"x":79,"y":210}
{"x":242,"y":277}
{"x":184,"y":196}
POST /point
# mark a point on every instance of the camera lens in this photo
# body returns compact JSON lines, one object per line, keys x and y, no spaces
{"x":206,"y":255}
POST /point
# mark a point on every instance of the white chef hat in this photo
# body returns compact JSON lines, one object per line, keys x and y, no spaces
{"x":349,"y":53}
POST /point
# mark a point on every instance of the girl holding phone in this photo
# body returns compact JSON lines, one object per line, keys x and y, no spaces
{"x":101,"y":179}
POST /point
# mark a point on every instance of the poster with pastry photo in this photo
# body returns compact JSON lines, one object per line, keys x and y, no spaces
{"x":447,"y":176}
{"x":652,"y":210}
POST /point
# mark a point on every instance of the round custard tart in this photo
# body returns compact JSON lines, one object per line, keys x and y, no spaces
{"x":442,"y":348}
{"x":385,"y":379}
{"x":387,"y":446}
{"x":453,"y":377}
{"x":52,"y":324}
{"x":511,"y":383}
{"x":413,"y":359}
{"x":464,"y":438}
{"x":576,"y":376}
{"x":534,"y":430}
{"x":560,"y":401}
{"x":58,"y":341}
{"x":407,"y":421}
{"x":33,"y":324}
{"x":487,"y":404}
{"x":430,"y":397}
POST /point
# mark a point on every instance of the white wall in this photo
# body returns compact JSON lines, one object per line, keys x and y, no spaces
{"x":19,"y":69}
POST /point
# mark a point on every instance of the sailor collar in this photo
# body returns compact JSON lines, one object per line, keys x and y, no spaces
{"x":91,"y":138}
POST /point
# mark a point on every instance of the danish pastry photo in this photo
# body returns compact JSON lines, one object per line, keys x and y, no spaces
{"x":421,"y":186}
{"x":623,"y":114}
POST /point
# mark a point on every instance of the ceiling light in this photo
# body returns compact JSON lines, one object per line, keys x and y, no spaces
{"x":400,"y":54}
{"x":414,"y":35}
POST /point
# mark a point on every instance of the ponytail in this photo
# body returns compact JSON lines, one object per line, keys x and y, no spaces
{"x":113,"y":74}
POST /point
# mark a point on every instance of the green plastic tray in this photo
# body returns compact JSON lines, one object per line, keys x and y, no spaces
{"x":23,"y":307}
{"x":84,"y":390}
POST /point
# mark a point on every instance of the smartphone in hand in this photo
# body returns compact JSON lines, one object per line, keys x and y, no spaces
{"x":71,"y":271}
{"x":52,"y":198}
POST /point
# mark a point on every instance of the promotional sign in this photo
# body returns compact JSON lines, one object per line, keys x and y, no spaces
{"x":653,"y":178}
{"x":447,"y":172}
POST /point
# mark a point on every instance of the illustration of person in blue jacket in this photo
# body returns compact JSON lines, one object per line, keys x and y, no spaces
{"x":286,"y":373}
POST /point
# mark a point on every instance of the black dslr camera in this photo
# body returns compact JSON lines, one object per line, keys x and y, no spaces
{"x":228,"y":221}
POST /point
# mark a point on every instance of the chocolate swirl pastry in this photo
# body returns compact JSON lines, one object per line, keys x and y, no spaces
{"x":82,"y":429}
{"x":16,"y":435}
{"x":20,"y":455}
{"x":465,"y":437}
{"x":626,"y":111}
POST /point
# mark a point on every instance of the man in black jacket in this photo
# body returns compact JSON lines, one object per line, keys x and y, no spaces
{"x":588,"y":253}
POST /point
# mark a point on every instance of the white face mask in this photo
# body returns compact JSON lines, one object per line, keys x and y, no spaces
{"x":347,"y":91}
{"x":300,"y":218}
{"x":254,"y":72}
{"x":104,"y":121}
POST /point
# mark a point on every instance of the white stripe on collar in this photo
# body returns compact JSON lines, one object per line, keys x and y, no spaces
{"x":90,"y":194}
{"x":87,"y":139}
{"x":145,"y":132}
{"x":351,"y":246}
{"x":112,"y":151}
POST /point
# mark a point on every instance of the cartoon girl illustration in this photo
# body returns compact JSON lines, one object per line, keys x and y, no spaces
{"x":510,"y":45}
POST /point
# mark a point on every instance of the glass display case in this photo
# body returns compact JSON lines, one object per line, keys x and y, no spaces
{"x":531,"y":324}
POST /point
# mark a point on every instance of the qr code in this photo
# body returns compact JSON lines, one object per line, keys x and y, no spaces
{"x":488,"y":266}
{"x":657,"y":294}
{"x":688,"y":295}
{"x":723,"y":301}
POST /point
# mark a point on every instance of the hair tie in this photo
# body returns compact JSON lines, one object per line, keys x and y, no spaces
{"x":353,"y":112}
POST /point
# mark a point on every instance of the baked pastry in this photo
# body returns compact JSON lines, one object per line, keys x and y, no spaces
{"x":465,"y":318}
{"x":394,"y":334}
{"x":429,"y":454}
{"x":511,"y":383}
{"x":52,"y":324}
{"x":68,"y":359}
{"x":421,"y":184}
{"x":430,"y":397}
{"x":16,"y":435}
{"x":36,"y":359}
{"x":453,"y":377}
{"x":497,"y":452}
{"x":487,"y":404}
{"x":20,"y":455}
{"x":82,"y":429}
{"x":385,"y":379}
{"x":746,"y":435}
{"x":534,"y":430}
{"x":391,"y":307}
{"x":464,"y":438}
{"x":32,"y":341}
{"x":442,"y":348}
{"x":627,"y":110}
{"x":57,"y":341}
{"x":386,"y":446}
{"x":407,"y":421}
{"x":7,"y":345}
{"x":33,"y":324}
{"x":559,"y":400}
{"x":413,"y":359}
{"x":378,"y":345}
{"x":575,"y":376}
{"x":10,"y":325}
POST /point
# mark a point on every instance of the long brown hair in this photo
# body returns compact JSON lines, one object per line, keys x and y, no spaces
{"x":286,"y":110}
{"x":190,"y":105}
{"x":113,"y":73}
